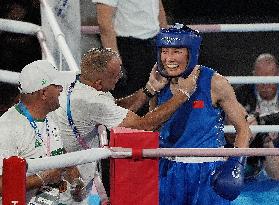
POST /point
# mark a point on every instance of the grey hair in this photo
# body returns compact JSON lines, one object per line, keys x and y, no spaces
{"x":96,"y":59}
{"x":266,"y":57}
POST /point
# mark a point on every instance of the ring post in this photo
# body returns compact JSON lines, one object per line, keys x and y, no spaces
{"x":14,"y":181}
{"x":134,"y":180}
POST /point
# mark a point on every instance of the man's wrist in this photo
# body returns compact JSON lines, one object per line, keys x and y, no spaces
{"x":150,"y":88}
{"x":148,"y":93}
{"x":41,"y":179}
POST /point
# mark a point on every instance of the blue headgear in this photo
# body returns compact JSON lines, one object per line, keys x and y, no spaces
{"x":179,"y":36}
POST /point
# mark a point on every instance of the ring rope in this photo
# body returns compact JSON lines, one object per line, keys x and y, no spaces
{"x":29,"y":28}
{"x":252,"y":79}
{"x":19,"y":27}
{"x":9,"y":77}
{"x":254,"y":128}
{"x":255,"y":27}
{"x":231,"y":79}
{"x":94,"y":154}
{"x":211,"y":28}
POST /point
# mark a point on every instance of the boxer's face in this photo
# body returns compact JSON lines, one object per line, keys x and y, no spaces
{"x":174,"y":60}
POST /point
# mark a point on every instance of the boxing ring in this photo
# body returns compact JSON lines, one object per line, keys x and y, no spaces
{"x":14,"y":183}
{"x":114,"y":152}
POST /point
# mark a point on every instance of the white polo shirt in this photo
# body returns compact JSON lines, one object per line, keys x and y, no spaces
{"x":89,"y":108}
{"x":18,"y":138}
{"x":135,"y":18}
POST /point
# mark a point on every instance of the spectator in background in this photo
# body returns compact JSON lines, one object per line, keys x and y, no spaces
{"x":261,"y":100}
{"x":129,"y":27}
{"x":17,"y":50}
{"x":28,"y":130}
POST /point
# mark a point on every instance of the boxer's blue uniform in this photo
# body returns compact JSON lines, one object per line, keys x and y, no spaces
{"x":195,"y":124}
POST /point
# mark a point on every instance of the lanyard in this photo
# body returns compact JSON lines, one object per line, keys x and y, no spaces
{"x":33,"y":124}
{"x":79,"y":138}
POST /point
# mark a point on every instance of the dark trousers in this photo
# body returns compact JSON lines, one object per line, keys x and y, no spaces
{"x":138,"y":57}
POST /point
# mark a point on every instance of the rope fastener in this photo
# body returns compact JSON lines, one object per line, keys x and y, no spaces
{"x":137,"y":154}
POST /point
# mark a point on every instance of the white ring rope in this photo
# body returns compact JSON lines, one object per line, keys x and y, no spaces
{"x":254,"y":128}
{"x":68,"y":159}
{"x":255,"y":27}
{"x":252,"y":79}
{"x":209,"y":152}
{"x":211,"y":28}
{"x":60,"y":38}
{"x":18,"y":27}
{"x":231,"y":79}
{"x":9,"y":77}
{"x":94,"y":154}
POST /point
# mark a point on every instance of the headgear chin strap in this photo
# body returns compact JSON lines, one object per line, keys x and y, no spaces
{"x":179,"y":36}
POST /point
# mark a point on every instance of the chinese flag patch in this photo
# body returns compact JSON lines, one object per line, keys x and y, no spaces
{"x":198,"y":104}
